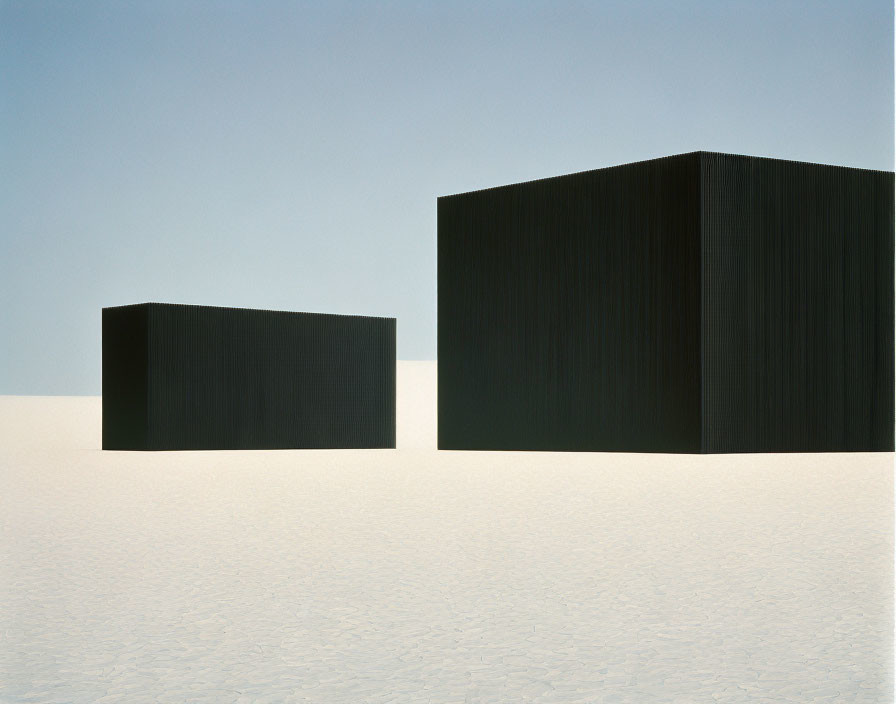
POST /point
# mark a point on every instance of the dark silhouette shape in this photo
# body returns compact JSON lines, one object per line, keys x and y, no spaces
{"x":696,"y":303}
{"x":179,"y":377}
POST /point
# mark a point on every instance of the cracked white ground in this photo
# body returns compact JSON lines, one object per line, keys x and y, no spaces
{"x":412,"y":575}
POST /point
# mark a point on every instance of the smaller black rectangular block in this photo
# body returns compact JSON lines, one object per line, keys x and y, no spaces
{"x":183,"y":377}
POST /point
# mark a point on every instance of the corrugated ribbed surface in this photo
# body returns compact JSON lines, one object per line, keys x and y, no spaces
{"x":697,"y":303}
{"x":797,"y":306}
{"x":568,"y":312}
{"x":228,"y":378}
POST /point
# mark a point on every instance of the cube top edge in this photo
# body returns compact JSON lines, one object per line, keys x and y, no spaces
{"x":147,"y":304}
{"x":682,"y":156}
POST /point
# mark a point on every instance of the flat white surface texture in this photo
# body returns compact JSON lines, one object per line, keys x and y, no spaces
{"x":412,"y":575}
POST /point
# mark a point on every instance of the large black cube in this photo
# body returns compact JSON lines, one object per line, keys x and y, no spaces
{"x":696,"y":303}
{"x":178,"y":377}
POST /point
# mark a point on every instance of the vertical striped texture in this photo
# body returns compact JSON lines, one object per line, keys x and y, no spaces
{"x":569,"y":312}
{"x":797,"y":306}
{"x":696,"y":303}
{"x":227,"y":378}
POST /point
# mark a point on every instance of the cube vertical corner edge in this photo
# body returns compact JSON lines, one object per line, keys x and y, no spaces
{"x":568,"y":312}
{"x":700,"y":303}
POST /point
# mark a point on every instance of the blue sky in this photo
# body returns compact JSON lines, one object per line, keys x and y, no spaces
{"x":288,"y":155}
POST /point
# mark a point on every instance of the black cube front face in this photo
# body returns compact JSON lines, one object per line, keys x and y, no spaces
{"x":696,"y":303}
{"x":181,"y":377}
{"x":568,"y":312}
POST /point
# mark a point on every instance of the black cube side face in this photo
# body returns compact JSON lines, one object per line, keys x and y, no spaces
{"x":125,"y":369}
{"x":568,"y":312}
{"x":227,"y":378}
{"x":797,"y":306}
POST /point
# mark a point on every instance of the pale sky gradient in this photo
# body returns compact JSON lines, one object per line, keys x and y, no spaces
{"x":289,"y":155}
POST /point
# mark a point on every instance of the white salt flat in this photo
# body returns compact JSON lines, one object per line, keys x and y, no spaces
{"x":413,"y":575}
